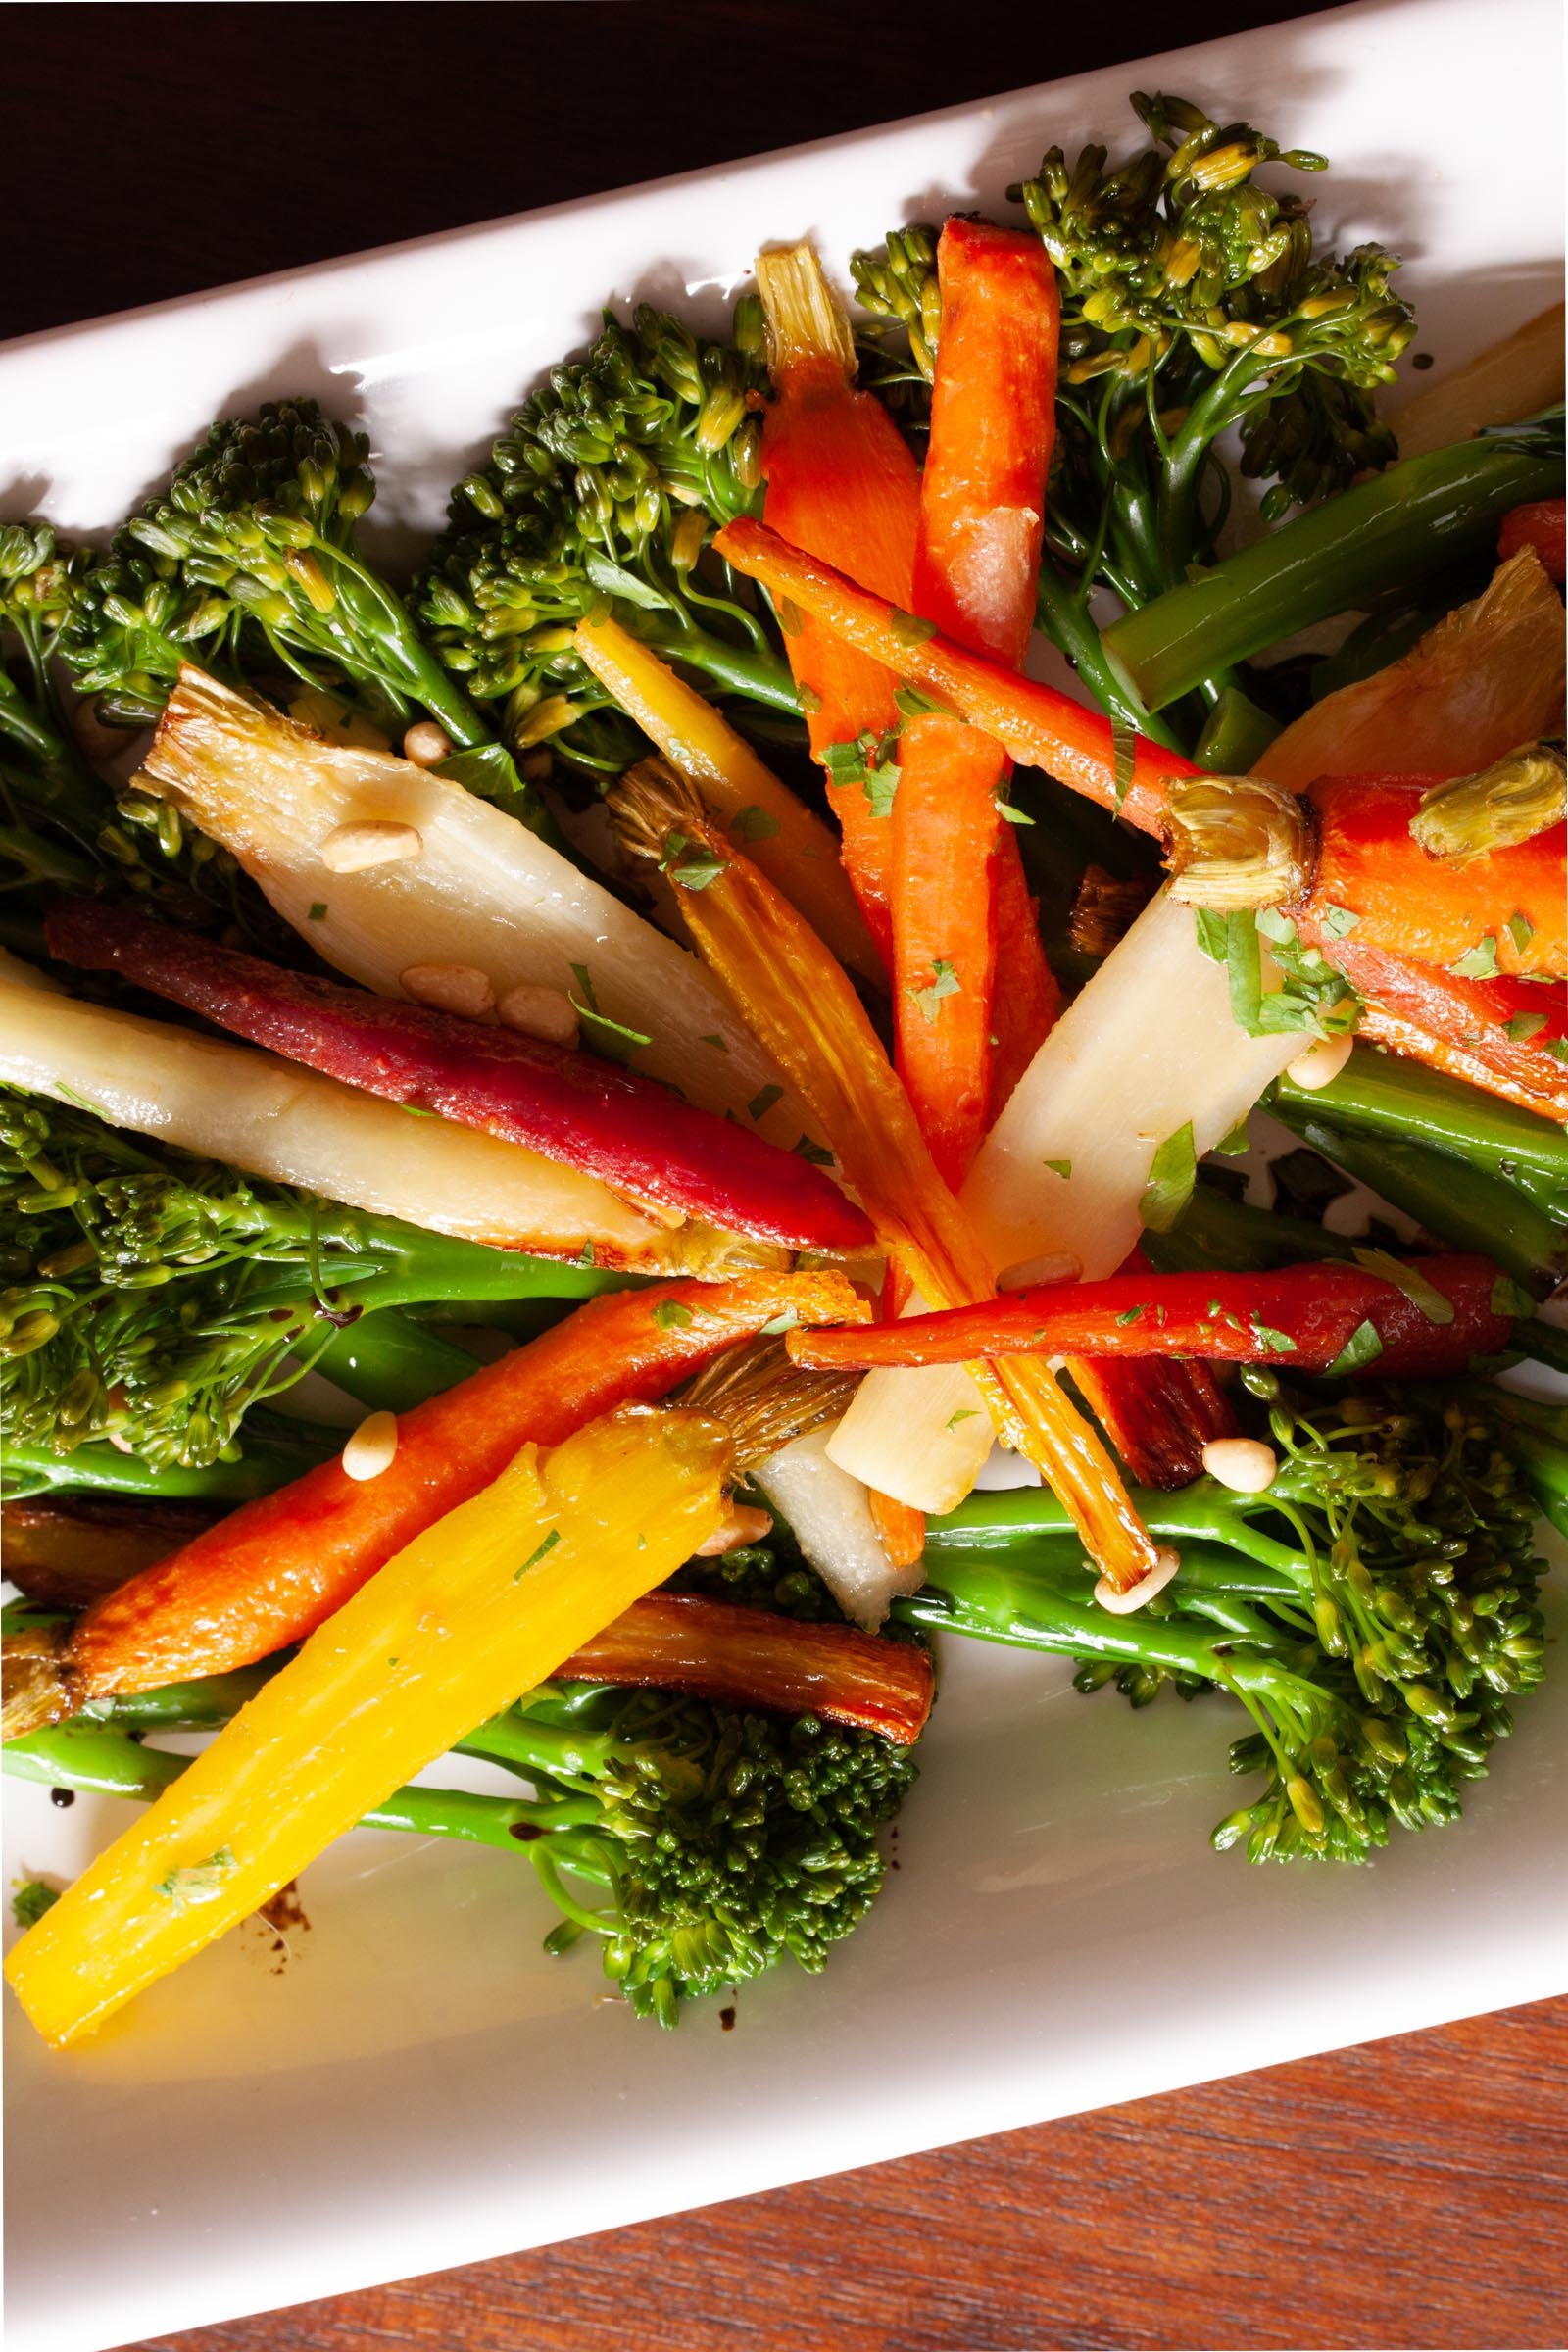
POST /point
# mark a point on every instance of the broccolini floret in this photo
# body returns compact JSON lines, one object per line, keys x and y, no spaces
{"x":1192,"y":302}
{"x":602,"y":495}
{"x":1374,"y":1610}
{"x":153,"y":1298}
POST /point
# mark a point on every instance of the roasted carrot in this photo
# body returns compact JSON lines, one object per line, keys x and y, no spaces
{"x":1539,"y":526}
{"x":1036,"y":724}
{"x":800,"y":1005}
{"x":631,"y":1132}
{"x":1504,"y":912}
{"x":275,"y":1568}
{"x":65,"y":1555}
{"x":945,"y":838}
{"x":993,"y":423}
{"x":743,"y":1657}
{"x":1423,"y":1320}
{"x":841,"y":481}
{"x":976,"y":571}
{"x":1509,"y":1036}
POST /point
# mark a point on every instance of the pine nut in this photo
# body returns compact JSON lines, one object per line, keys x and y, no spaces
{"x":369,"y":1450}
{"x":448,"y":988}
{"x":426,"y":744}
{"x":1321,"y":1063}
{"x":543,"y":1012}
{"x":1243,"y":1464}
{"x":743,"y":1526}
{"x":378,"y":841}
{"x":1167,"y":1559}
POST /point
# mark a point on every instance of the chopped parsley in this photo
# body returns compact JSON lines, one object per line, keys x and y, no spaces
{"x":1523,"y":1027}
{"x":587,"y":1006}
{"x":1131,"y":1314}
{"x":317,"y":912}
{"x":787,"y":1321}
{"x":1277,"y":1343}
{"x":197,"y":1882}
{"x":818,"y":1157}
{"x":909,"y":630}
{"x":965,"y":1412}
{"x":1059,"y":1167}
{"x":761,"y":1104}
{"x":1338,"y":921}
{"x":753,"y":824}
{"x":32,"y":1901}
{"x":1417,"y":1288}
{"x":1478,"y":962}
{"x":1521,"y":930}
{"x":1362,"y":1347}
{"x":943,"y":983}
{"x":1172,"y":1174}
{"x":670,"y":1315}
{"x":534,"y":1557}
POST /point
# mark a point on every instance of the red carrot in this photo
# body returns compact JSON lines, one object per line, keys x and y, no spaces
{"x":1427,"y":1322}
{"x":743,"y":1657}
{"x":630,"y":1132}
{"x":1539,"y":526}
{"x":274,"y":1569}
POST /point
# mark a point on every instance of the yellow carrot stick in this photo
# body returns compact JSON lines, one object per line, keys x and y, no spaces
{"x":793,"y":847}
{"x":474,"y":1612}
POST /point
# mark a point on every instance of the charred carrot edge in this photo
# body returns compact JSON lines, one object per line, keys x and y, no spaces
{"x":629,"y":1131}
{"x":269,"y":1573}
{"x":1037,"y":725}
{"x":742,"y":1657}
{"x":1434,"y":909}
{"x":1303,"y":1316}
{"x":1541,"y":525}
{"x":841,"y":479}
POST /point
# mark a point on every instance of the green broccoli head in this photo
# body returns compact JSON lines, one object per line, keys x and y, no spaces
{"x":724,"y":1841}
{"x":601,"y":496}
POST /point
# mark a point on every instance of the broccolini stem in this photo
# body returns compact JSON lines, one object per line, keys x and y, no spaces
{"x":101,"y":1762}
{"x":1451,"y":1199}
{"x":276,"y":1451}
{"x":1383,"y":1094}
{"x":756,"y":675}
{"x":1416,"y":519}
{"x":389,"y":1362}
{"x":1064,"y":616}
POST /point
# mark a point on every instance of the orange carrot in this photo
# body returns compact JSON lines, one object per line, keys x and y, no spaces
{"x":842,"y":481}
{"x":1539,"y":526}
{"x":274,"y":1569}
{"x":744,"y":1657}
{"x":993,"y":422}
{"x":944,"y":829}
{"x":1436,"y":910}
{"x":1038,"y":725}
{"x":1509,"y":1036}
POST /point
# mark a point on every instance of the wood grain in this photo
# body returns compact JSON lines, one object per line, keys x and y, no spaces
{"x":1411,"y":2193}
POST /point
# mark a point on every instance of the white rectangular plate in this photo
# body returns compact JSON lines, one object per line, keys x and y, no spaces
{"x":420,"y":2088}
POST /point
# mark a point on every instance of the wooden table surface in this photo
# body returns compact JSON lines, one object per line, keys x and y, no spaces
{"x":1411,"y":2193}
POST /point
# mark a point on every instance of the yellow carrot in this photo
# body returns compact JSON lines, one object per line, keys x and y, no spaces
{"x":475,"y":1611}
{"x":793,"y":847}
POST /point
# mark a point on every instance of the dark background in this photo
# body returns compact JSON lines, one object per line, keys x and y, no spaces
{"x":1411,"y":2193}
{"x":167,"y":149}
